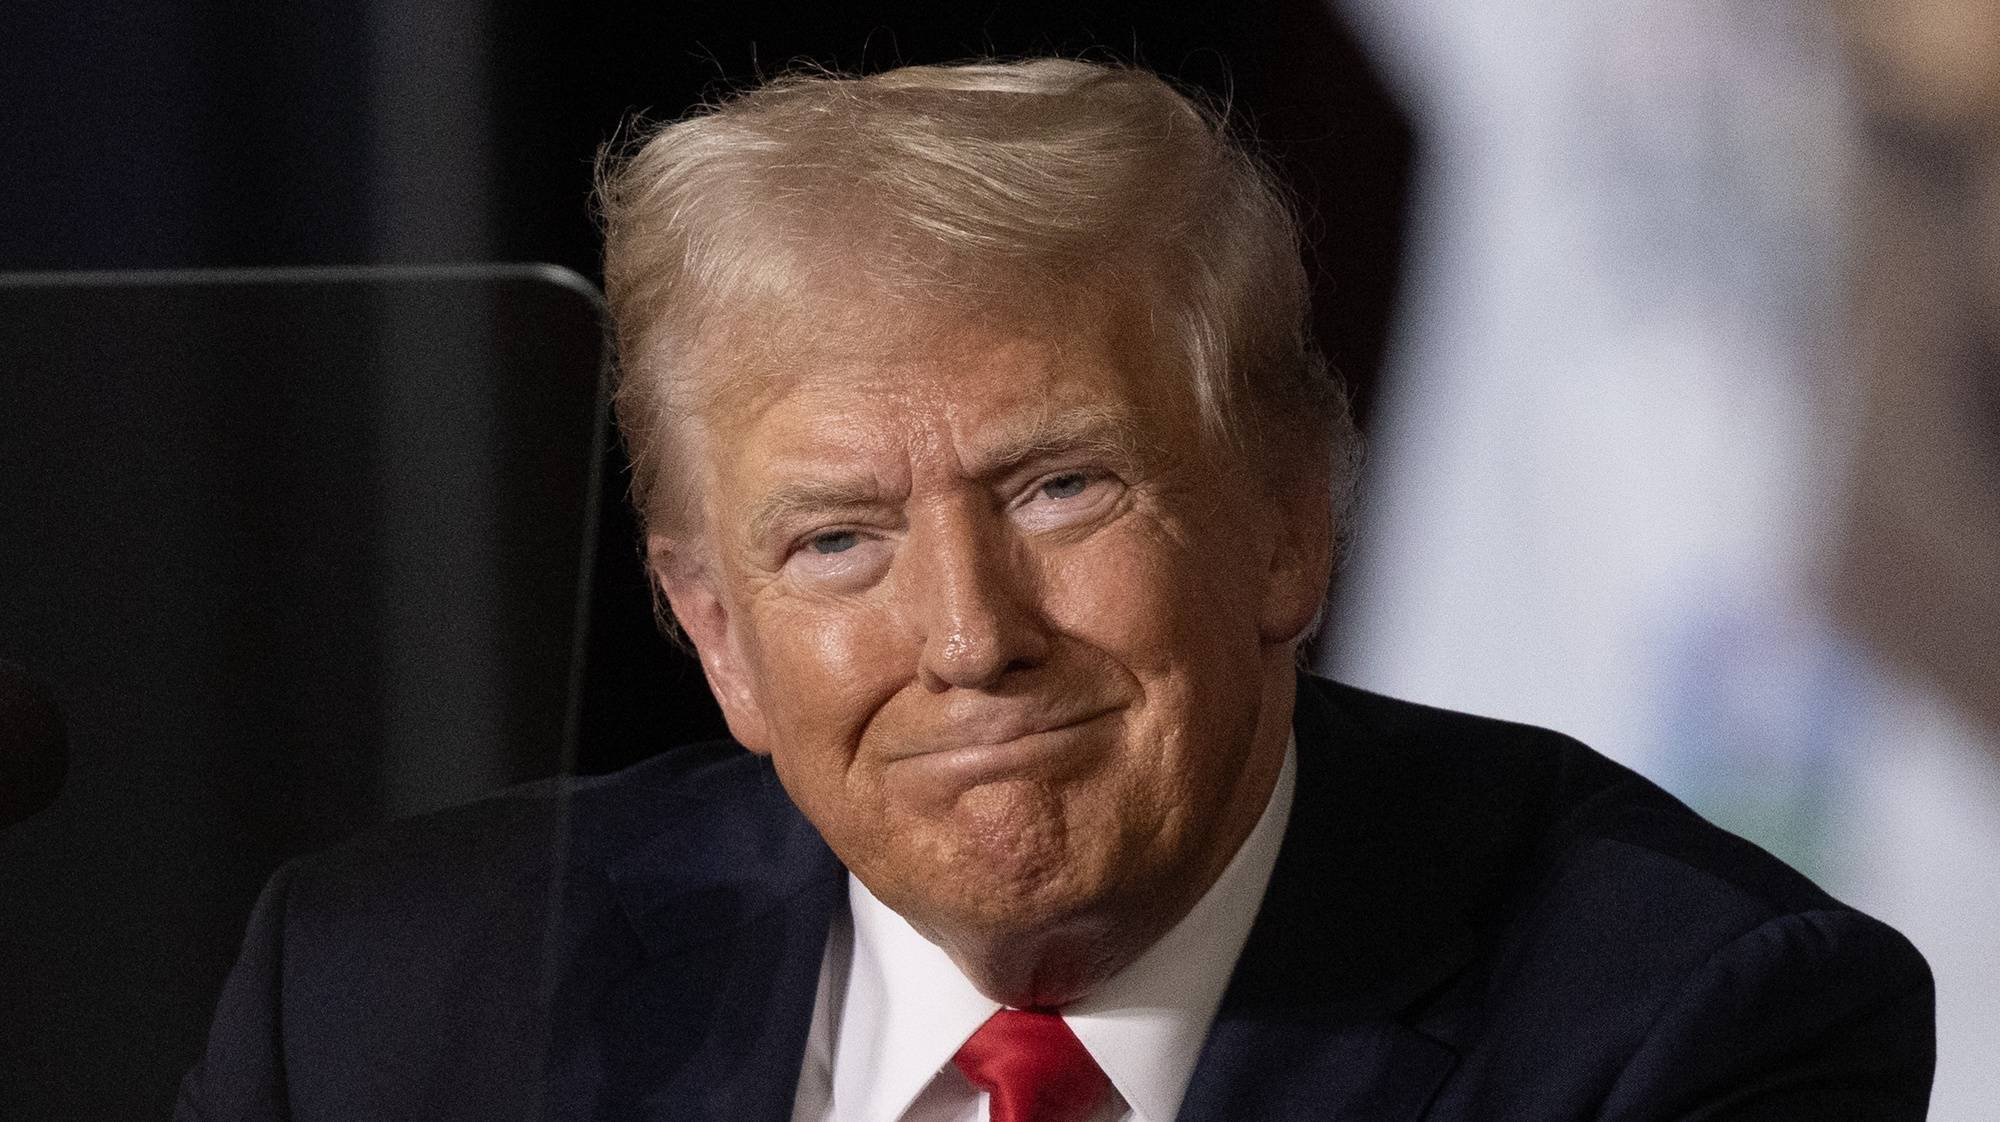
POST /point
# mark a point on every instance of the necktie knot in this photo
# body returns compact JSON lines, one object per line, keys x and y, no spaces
{"x":1033,"y":1068}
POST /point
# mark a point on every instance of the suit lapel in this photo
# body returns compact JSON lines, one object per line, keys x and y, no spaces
{"x":693,"y":996}
{"x":1360,"y":922}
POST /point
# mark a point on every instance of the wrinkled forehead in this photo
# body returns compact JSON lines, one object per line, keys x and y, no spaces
{"x":872,"y":347}
{"x":970,"y":394}
{"x":837,"y":369}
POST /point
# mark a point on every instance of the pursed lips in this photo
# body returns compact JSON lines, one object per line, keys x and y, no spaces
{"x":992,"y":730}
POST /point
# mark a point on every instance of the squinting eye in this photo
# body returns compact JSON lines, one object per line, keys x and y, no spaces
{"x":839,"y":541}
{"x":1066,"y":486}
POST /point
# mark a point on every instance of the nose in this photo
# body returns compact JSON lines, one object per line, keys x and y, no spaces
{"x":972,"y":600}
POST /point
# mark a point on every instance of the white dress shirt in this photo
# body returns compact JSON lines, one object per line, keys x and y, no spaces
{"x":893,"y":1008}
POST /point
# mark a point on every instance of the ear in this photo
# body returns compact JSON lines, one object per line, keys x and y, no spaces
{"x":1300,"y":565}
{"x":690,"y":586}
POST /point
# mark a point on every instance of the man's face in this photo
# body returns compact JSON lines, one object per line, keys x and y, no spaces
{"x":1016,"y":644}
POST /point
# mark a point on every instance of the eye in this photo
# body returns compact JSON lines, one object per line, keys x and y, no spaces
{"x":833,"y":541}
{"x":1069,"y":499}
{"x":1066,"y":486}
{"x":839,"y":560}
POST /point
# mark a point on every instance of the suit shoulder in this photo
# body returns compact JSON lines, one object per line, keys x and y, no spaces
{"x":491,"y":853}
{"x":1617,"y":944}
{"x":1571,"y":808}
{"x":1519,"y":757}
{"x":440,"y":928}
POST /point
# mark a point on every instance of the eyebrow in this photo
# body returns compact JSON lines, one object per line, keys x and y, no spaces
{"x":1104,"y":434}
{"x":810,"y":496}
{"x":1107,"y":434}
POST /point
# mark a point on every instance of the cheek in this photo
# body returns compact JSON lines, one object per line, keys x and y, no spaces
{"x":1173,"y":614}
{"x":1149,"y":599}
{"x":821,"y":672}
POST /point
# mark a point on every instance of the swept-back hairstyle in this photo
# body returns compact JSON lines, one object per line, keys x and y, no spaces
{"x":1034,"y":187}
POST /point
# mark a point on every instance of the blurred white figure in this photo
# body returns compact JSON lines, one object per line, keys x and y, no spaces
{"x":1607,"y":456}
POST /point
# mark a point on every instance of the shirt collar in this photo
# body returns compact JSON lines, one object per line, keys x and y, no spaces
{"x":1145,"y":1026}
{"x":906,"y":1011}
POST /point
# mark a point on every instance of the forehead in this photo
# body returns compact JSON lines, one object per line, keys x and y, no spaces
{"x":904,"y":387}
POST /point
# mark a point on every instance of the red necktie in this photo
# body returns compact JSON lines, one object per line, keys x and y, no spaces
{"x":1034,"y":1067}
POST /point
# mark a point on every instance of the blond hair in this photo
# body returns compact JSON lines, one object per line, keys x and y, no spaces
{"x":1021,"y":185}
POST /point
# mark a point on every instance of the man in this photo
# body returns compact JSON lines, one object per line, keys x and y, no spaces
{"x":986,"y":463}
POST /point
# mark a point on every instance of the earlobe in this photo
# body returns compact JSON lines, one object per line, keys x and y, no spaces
{"x":690,"y":588}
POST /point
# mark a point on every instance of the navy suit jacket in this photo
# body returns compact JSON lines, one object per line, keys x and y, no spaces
{"x":1468,"y":920}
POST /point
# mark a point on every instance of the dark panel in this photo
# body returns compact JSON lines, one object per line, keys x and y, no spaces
{"x":293,"y":556}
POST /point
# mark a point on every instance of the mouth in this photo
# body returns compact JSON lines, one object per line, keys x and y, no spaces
{"x":1043,"y":748}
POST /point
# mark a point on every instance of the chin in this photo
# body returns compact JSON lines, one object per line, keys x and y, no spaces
{"x":1038,"y":950}
{"x":996,"y":887}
